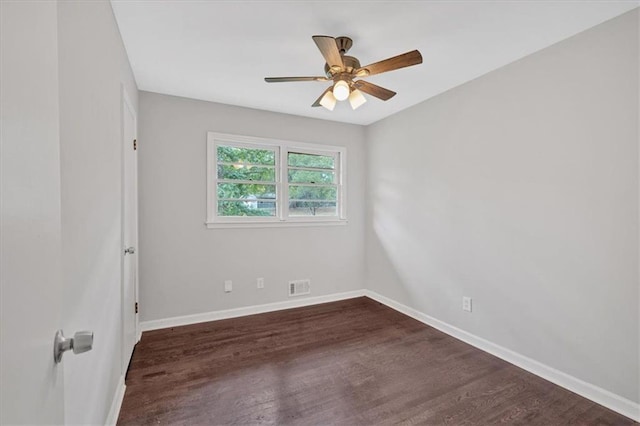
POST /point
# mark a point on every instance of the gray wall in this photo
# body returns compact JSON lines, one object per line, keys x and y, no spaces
{"x":520,"y":190}
{"x":183,"y":264}
{"x":92,"y":67}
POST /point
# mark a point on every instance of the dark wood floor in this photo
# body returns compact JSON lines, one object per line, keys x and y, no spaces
{"x":354,"y":362}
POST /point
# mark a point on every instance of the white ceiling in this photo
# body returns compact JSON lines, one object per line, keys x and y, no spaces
{"x":221,"y":50}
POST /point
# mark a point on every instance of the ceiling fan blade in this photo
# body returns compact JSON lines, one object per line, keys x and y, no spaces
{"x":329,"y":50}
{"x":317,"y":102}
{"x":288,"y":79}
{"x":374,"y":90}
{"x":405,"y":60}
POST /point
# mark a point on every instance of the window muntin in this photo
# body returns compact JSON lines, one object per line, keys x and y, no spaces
{"x":252,"y":180}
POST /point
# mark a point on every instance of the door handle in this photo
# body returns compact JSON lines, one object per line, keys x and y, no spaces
{"x":129,"y":250}
{"x":81,"y":342}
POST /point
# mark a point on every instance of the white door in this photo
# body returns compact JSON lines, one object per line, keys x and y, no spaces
{"x":31,"y":384}
{"x":130,"y":231}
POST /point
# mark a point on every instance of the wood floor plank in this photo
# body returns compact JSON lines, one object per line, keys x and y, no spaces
{"x":353,"y":362}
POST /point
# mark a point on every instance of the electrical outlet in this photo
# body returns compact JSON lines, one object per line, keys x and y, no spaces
{"x":466,"y":304}
{"x":260,"y":282}
{"x":228,"y":286}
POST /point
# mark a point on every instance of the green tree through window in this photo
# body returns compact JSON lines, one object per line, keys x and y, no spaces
{"x":246,"y":181}
{"x":312,"y":184}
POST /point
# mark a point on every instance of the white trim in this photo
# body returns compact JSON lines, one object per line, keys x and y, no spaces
{"x":116,"y":403}
{"x":249,"y":310}
{"x":594,"y":393}
{"x":284,"y":224}
{"x":282,"y":193}
{"x":126,"y":103}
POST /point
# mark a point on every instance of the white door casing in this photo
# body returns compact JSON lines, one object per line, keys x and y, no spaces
{"x":129,"y":231}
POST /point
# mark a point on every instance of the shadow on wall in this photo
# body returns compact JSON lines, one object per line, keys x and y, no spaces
{"x":401,"y":264}
{"x":406,"y":266}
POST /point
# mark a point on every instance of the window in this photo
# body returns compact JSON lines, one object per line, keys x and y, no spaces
{"x":245,"y":181}
{"x":260,"y":182}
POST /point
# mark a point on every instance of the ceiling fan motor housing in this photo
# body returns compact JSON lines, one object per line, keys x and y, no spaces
{"x":350,"y":65}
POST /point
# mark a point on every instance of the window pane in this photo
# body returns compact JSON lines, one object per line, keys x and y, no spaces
{"x":246,"y":208}
{"x":301,"y":192}
{"x":312,"y":208}
{"x":249,"y":191}
{"x":308,"y":176}
{"x":267,"y":174}
{"x":232,"y":154}
{"x":310,"y":160}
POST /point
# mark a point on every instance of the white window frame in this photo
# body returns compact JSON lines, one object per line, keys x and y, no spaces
{"x":282,"y":149}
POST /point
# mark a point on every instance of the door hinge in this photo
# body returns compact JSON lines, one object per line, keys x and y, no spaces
{"x":136,"y":307}
{"x":135,"y":144}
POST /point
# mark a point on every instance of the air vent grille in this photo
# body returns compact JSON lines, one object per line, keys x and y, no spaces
{"x":299,"y":287}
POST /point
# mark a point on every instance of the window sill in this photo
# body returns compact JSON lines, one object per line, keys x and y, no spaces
{"x":280,"y":224}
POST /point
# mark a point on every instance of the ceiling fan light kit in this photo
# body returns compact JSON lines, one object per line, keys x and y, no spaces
{"x":341,"y":90}
{"x":328,"y":100}
{"x":343,"y":69}
{"x":356,"y":99}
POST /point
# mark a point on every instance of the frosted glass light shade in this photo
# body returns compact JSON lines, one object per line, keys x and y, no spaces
{"x":328,"y":101}
{"x":341,"y":90}
{"x":356,"y":99}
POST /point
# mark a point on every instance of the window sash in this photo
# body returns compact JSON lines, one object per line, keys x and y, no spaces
{"x":248,"y":182}
{"x":337,"y":177}
{"x":311,"y":169}
{"x":227,"y":163}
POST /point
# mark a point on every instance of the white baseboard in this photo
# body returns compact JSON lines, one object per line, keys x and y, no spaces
{"x":594,"y":393}
{"x":249,"y":310}
{"x":118,"y":396}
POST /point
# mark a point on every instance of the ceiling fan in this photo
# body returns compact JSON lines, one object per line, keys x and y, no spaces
{"x":343,"y":70}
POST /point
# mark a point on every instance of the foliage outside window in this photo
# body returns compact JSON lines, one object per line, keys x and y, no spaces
{"x":258,"y":181}
{"x":313,"y":190}
{"x":246,"y":181}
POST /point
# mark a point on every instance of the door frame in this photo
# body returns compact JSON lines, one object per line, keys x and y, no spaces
{"x":126,"y":103}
